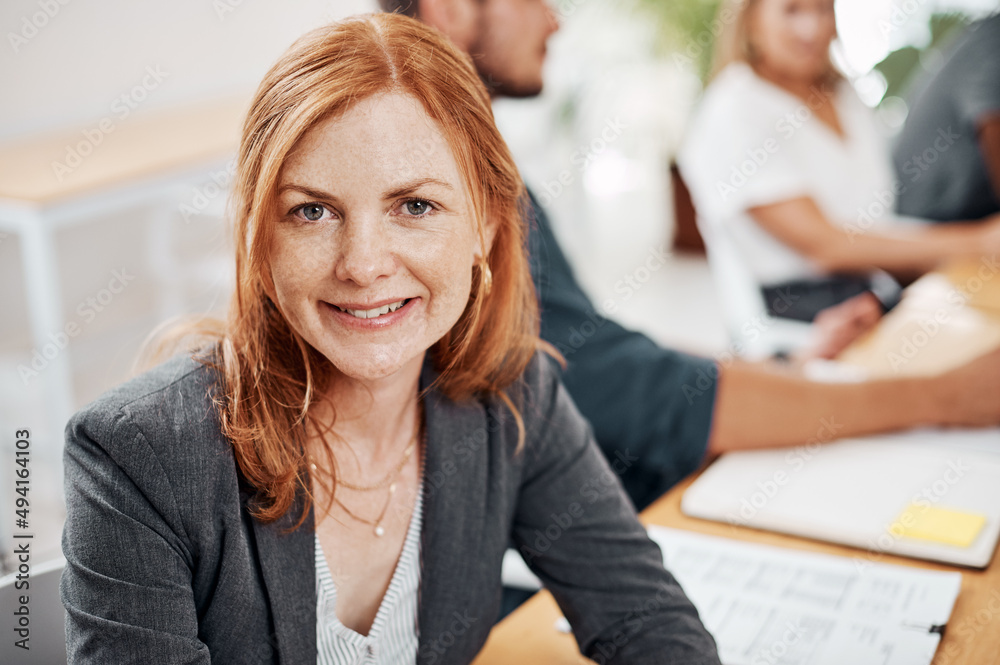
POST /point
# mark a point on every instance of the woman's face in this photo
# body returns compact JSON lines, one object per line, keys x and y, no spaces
{"x":792,"y":37}
{"x":375,"y":239}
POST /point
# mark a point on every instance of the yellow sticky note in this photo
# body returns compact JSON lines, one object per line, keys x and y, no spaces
{"x":939,"y":525}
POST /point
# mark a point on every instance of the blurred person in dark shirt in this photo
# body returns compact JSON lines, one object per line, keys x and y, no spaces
{"x":947,"y":156}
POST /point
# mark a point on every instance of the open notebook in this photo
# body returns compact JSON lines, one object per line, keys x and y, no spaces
{"x":927,"y":494}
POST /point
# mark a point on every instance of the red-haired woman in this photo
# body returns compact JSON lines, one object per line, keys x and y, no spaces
{"x":336,"y":477}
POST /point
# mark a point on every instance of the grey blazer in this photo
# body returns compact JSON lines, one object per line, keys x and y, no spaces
{"x":165,"y":565}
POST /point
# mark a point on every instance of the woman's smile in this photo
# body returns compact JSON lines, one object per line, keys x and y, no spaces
{"x":377,"y":316}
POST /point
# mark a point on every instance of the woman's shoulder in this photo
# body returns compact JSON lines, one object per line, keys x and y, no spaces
{"x":538,"y":383}
{"x":542,"y":400}
{"x":532,"y":396}
{"x":180,"y":376}
{"x":735,"y":111}
{"x":170,"y":402}
{"x":737,"y":83}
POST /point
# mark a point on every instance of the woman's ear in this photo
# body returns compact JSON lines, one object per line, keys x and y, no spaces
{"x":489,"y":233}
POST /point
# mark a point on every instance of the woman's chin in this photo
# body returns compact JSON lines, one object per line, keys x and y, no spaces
{"x":374,"y":364}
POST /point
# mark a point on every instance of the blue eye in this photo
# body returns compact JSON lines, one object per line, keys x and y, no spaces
{"x":417,"y":207}
{"x":313,"y":212}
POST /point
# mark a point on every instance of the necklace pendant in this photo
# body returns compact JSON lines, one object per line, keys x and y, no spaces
{"x":379,"y":531}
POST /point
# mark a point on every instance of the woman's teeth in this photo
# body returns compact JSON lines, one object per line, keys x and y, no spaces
{"x":372,"y":313}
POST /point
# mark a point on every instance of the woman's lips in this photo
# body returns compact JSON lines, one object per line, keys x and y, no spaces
{"x":384,"y":314}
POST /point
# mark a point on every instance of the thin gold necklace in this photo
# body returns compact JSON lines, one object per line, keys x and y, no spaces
{"x":389,"y":477}
{"x":388,"y":480}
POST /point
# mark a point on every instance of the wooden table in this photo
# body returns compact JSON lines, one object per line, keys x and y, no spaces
{"x":947,"y":318}
{"x":528,"y":636}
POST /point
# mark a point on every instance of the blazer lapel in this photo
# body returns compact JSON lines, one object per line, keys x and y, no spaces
{"x":288,"y":565}
{"x":454,"y":508}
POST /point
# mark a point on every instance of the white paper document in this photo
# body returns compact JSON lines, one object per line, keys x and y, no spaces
{"x":768,"y":605}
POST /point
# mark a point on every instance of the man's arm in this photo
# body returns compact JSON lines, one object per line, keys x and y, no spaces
{"x":665,"y":408}
{"x":762,"y":405}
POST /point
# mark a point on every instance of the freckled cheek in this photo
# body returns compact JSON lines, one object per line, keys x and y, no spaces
{"x":297,"y":271}
{"x":300,"y":267}
{"x":448,"y":279}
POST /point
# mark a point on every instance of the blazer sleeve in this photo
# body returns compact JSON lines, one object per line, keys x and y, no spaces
{"x":577,"y":530}
{"x":127,"y":585}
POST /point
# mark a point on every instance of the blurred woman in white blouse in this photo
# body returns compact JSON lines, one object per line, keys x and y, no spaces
{"x":793,"y":182}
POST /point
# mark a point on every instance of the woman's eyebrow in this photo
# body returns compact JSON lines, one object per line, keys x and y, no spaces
{"x":308,"y":191}
{"x":400,"y":190}
{"x":413,"y":185}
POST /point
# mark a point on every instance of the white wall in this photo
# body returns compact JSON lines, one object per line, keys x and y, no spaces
{"x":87,"y":53}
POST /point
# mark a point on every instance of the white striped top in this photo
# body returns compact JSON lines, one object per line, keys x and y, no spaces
{"x":393,"y":635}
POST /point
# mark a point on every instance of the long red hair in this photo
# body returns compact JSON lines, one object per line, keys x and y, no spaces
{"x":270,"y":376}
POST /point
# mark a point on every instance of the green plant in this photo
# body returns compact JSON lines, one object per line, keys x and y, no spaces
{"x":686,"y":29}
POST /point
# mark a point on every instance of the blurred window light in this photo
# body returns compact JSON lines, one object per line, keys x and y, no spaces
{"x":612,"y":174}
{"x":871,"y":87}
{"x":863,"y":32}
{"x":892,"y":112}
{"x":869,"y":30}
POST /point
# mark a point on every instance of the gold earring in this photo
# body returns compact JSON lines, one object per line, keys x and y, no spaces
{"x":487,"y":281}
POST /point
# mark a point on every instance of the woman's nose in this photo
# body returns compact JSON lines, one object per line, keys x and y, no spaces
{"x":365,"y":250}
{"x":809,"y":27}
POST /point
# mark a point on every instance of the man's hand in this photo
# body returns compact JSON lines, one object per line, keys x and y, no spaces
{"x":836,"y":327}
